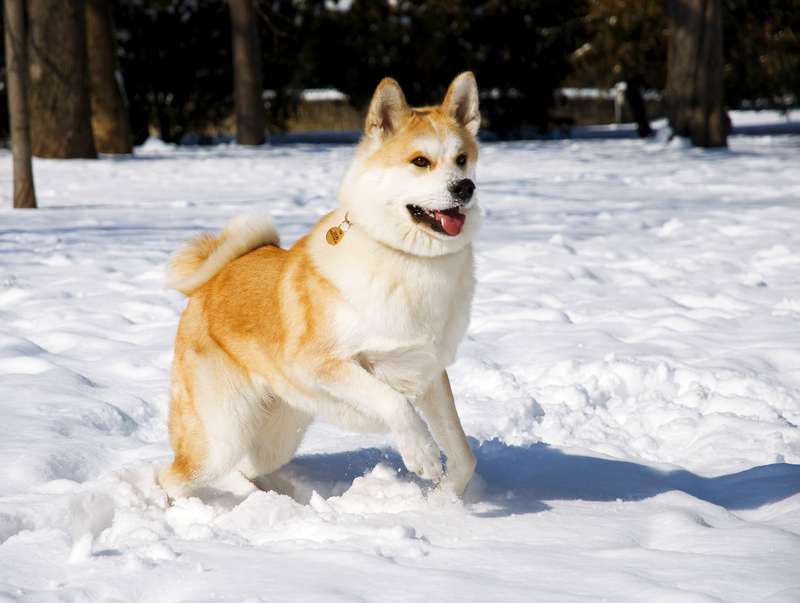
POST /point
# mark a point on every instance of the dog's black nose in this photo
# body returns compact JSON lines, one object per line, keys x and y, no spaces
{"x":462,"y":189}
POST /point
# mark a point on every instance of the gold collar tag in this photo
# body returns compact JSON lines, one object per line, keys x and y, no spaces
{"x":336,"y":234}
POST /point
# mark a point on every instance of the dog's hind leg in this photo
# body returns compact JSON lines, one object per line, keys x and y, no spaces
{"x":210,"y":419}
{"x":198,"y":458}
{"x":191,"y":446}
{"x":439,"y":408}
{"x":278,"y":431}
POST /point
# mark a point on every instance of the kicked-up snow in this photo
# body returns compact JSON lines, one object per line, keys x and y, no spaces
{"x":630,"y":382}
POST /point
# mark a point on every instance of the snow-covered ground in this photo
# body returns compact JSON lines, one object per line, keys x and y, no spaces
{"x":630,"y":382}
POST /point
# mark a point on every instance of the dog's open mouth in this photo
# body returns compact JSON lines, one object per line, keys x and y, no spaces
{"x":447,"y":221}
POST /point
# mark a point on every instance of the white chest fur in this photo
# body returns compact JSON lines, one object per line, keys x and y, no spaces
{"x":401,"y":316}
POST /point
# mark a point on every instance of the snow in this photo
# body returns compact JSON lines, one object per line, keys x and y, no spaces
{"x":605,"y":93}
{"x":753,"y":123}
{"x":630,"y":383}
{"x":748,"y":118}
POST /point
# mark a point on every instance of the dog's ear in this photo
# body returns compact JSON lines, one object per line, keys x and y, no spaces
{"x":386,"y":109}
{"x":462,"y":102}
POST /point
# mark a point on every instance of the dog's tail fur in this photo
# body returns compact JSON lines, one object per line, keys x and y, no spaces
{"x":199,"y":260}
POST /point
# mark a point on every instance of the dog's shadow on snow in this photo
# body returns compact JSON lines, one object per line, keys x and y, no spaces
{"x":518,"y":480}
{"x":541,"y":473}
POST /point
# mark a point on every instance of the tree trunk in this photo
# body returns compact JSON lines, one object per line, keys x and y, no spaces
{"x":247,"y":84}
{"x":633,"y":94}
{"x":16,"y":68}
{"x":60,"y":108}
{"x":694,"y":72}
{"x":111,"y":125}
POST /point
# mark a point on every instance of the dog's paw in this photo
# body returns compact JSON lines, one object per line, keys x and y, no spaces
{"x":423,"y":458}
{"x":455,"y":482}
{"x":460,"y":469}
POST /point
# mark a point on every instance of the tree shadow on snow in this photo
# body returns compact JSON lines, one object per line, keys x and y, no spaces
{"x":517,"y":480}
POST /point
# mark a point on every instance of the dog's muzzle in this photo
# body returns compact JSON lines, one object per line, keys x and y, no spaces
{"x":462,"y":190}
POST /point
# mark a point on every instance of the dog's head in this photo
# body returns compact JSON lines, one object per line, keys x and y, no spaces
{"x":411,"y":184}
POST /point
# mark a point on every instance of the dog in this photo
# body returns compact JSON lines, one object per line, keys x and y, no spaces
{"x":355,"y":322}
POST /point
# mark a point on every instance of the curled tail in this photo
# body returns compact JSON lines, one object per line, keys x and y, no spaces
{"x":199,"y":260}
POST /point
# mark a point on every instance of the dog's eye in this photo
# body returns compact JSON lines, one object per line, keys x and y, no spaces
{"x":461,"y":160}
{"x":421,"y":161}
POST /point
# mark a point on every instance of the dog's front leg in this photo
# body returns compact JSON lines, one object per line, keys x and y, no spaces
{"x":352,"y":384}
{"x":439,"y":409}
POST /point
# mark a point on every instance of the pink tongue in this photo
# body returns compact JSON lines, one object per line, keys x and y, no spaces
{"x":451,"y":220}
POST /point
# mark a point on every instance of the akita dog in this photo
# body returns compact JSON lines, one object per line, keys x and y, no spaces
{"x":356,"y":322}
